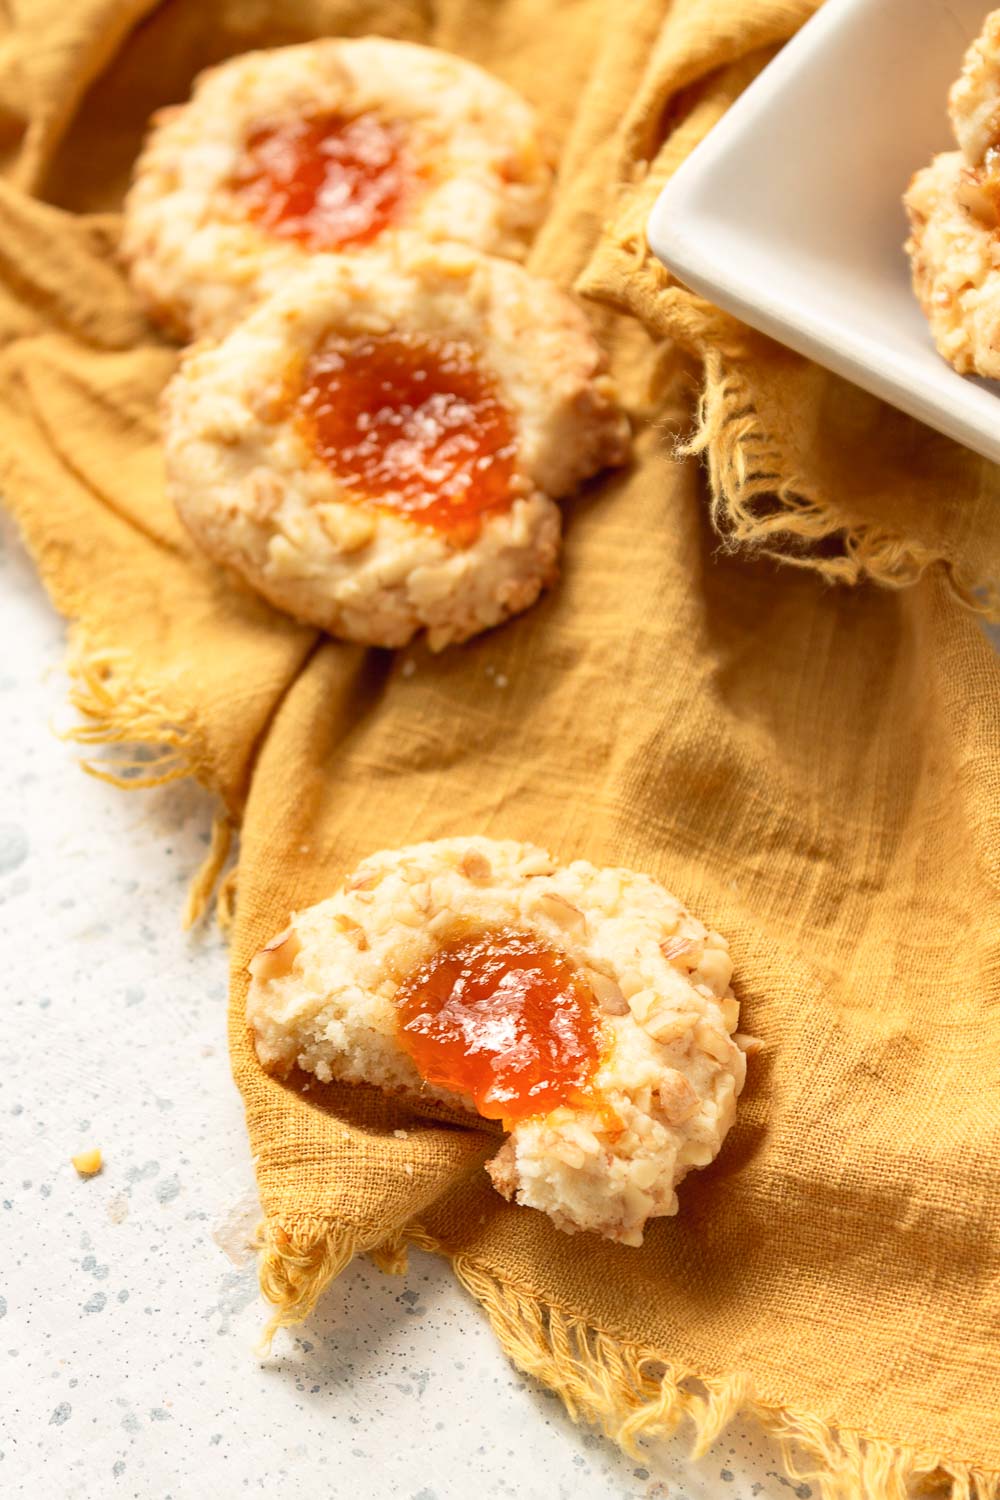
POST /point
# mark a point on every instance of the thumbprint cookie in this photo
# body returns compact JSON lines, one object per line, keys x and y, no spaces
{"x":953,"y":206}
{"x":334,"y":145}
{"x":954,"y":253}
{"x":974,"y":98}
{"x":584,"y":1008}
{"x":377,"y":447}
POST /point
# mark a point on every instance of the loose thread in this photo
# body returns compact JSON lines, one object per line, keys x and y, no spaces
{"x":747,"y":475}
{"x":391,"y":1256}
{"x":204,"y":880}
{"x":115,"y":711}
{"x":631,"y":1392}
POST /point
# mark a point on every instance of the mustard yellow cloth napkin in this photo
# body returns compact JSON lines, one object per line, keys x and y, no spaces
{"x":813,"y":769}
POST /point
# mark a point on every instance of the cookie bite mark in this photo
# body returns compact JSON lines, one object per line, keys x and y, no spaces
{"x":583,"y":1007}
{"x":327,"y":182}
{"x":412,"y":424}
{"x":502,"y":1017}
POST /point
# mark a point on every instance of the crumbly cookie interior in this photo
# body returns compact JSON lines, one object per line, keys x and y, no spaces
{"x":477,"y":971}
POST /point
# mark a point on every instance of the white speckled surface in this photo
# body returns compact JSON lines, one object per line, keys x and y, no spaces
{"x":129,"y":1309}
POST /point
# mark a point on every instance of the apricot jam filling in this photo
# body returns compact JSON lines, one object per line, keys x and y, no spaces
{"x":328,"y":182}
{"x":501,"y":1017}
{"x":412,"y":424}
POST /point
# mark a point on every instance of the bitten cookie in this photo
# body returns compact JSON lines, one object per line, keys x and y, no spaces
{"x":584,"y":1007}
{"x":377,"y":446}
{"x":955,"y":262}
{"x":334,"y":145}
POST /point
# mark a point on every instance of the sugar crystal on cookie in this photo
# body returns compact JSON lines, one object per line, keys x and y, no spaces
{"x":327,"y":182}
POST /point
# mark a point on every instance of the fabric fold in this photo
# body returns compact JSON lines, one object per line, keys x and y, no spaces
{"x":812,"y":769}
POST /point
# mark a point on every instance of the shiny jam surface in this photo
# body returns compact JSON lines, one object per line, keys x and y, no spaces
{"x":327,"y":182}
{"x":412,"y":424}
{"x":501,"y":1017}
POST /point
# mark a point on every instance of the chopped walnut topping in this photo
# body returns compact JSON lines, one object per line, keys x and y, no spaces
{"x":643,"y":1173}
{"x":674,"y":947}
{"x":269,"y":401}
{"x":560,"y":911}
{"x":475,"y":866}
{"x":715,"y":968}
{"x":607,"y":994}
{"x":975,"y":191}
{"x":712,"y":1042}
{"x":667,"y":1025}
{"x":276,"y":958}
{"x":349,"y":528}
{"x":642,"y":1002}
{"x":630,"y":982}
{"x":750,"y":1045}
{"x":353,"y":930}
{"x":730,"y":1008}
{"x":678,"y":1100}
{"x":267,"y":493}
{"x":420,"y":895}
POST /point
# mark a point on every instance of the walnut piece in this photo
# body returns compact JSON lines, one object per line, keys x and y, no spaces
{"x":276,"y":958}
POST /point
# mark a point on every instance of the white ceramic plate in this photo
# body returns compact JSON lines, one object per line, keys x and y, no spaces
{"x":789,"y":214}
